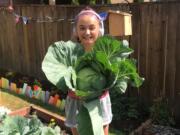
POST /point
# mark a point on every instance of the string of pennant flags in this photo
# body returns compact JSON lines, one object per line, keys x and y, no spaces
{"x":27,"y":19}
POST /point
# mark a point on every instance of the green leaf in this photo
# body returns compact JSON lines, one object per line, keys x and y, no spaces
{"x":111,"y":47}
{"x":110,"y":58}
{"x":13,"y":125}
{"x":58,"y":60}
{"x":128,"y":71}
{"x":84,"y":122}
{"x":121,"y":86}
{"x":90,"y":119}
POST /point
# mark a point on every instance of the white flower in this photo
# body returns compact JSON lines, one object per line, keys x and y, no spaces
{"x":125,"y":43}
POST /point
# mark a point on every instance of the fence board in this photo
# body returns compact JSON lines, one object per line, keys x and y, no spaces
{"x":171,"y":47}
{"x":144,"y":50}
{"x":177,"y":77}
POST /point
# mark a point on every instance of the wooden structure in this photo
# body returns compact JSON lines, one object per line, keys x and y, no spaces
{"x":120,"y":23}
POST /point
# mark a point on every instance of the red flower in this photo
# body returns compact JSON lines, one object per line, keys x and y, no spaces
{"x":36,"y":87}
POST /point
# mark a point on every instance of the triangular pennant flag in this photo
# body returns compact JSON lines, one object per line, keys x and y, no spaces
{"x":103,"y":15}
{"x":17,"y":18}
{"x":25,"y":20}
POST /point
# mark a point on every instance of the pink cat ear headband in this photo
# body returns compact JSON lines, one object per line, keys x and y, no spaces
{"x":83,"y":12}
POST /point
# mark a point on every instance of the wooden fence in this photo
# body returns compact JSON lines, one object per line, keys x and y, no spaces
{"x":23,"y":46}
{"x":155,"y":39}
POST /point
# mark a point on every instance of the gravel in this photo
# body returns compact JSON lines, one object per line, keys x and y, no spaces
{"x":162,"y":130}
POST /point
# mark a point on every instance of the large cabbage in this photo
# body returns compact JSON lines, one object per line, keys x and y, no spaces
{"x":89,"y":80}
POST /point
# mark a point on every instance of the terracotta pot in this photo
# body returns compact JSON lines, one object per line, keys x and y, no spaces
{"x":21,"y":112}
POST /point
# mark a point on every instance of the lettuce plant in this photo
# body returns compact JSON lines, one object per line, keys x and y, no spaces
{"x":88,"y":74}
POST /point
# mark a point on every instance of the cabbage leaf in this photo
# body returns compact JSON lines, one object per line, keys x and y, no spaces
{"x":59,"y":63}
{"x":18,"y":125}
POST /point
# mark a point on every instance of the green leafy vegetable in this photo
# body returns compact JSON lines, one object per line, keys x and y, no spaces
{"x":88,"y":74}
{"x":89,"y":79}
{"x":59,"y":62}
{"x":90,"y":118}
{"x":18,"y":125}
{"x":109,"y":58}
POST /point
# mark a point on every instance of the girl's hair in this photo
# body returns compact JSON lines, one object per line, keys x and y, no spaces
{"x":88,"y":11}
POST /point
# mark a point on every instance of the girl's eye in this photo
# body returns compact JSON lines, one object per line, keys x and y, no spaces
{"x":82,"y":28}
{"x":92,"y":28}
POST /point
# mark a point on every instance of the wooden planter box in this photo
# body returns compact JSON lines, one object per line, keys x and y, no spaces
{"x":132,"y":127}
{"x":141,"y":129}
{"x":43,"y":115}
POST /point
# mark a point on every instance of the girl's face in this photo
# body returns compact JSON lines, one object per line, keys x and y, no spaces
{"x":88,"y":30}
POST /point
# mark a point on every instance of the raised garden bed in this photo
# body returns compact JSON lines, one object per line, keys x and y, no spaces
{"x":141,"y":129}
{"x":136,"y":127}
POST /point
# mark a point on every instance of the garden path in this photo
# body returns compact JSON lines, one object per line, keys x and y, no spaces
{"x":12,"y":102}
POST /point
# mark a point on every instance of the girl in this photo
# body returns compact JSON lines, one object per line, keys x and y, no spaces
{"x":88,"y":27}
